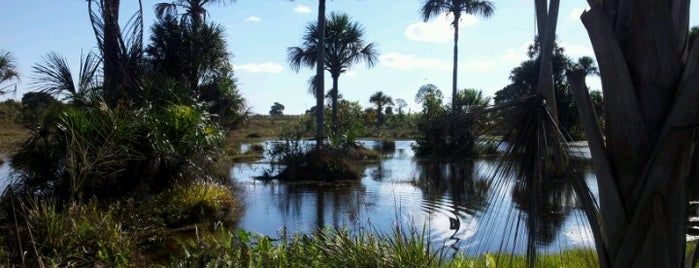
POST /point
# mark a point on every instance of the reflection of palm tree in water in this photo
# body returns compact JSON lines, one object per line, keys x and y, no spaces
{"x":454,"y":224}
{"x":454,"y":181}
{"x":547,"y":203}
{"x":342,"y":197}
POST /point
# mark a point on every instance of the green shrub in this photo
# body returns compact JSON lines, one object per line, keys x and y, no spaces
{"x":96,"y":151}
{"x":78,"y":235}
{"x":199,"y":202}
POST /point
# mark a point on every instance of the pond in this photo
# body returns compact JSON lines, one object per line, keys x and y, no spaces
{"x":460,"y":206}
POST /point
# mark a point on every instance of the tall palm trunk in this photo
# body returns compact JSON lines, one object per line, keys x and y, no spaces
{"x":547,"y":37}
{"x":649,"y":79}
{"x":335,"y":90}
{"x":457,"y":17}
{"x":110,"y":50}
{"x":320,"y":79}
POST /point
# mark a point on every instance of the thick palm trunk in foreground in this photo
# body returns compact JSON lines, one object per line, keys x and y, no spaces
{"x":650,"y":81}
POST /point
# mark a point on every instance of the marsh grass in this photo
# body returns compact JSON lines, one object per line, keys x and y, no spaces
{"x":326,"y":248}
{"x":340,"y":248}
{"x":76,"y":235}
{"x":12,"y":132}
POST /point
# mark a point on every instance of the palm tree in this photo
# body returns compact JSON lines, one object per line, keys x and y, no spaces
{"x":433,"y":8}
{"x":188,"y":53}
{"x":193,"y":9}
{"x":642,"y":156}
{"x":121,"y":50}
{"x":54,"y":77}
{"x":344,"y":46}
{"x":469,"y":100}
{"x":380,"y":100}
{"x":8,"y":70}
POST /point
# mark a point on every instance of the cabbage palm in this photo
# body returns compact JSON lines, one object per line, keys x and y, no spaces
{"x":380,"y":100}
{"x":121,"y":50}
{"x":433,"y":8}
{"x":193,"y":9}
{"x":344,"y":46}
{"x":8,"y":70}
{"x":54,"y":76}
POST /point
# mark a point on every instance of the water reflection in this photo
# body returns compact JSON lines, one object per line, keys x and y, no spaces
{"x":545,"y":204}
{"x":460,"y":206}
{"x":455,"y":189}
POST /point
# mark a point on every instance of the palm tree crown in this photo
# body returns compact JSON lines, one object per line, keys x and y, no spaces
{"x":53,"y":76}
{"x":380,"y":100}
{"x":8,"y":69}
{"x":433,"y":8}
{"x":344,"y":46}
{"x":193,"y":9}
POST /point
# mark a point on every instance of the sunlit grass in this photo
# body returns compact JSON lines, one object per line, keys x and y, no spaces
{"x":76,"y":235}
{"x":339,"y":248}
{"x":198,"y":202}
{"x":12,"y":133}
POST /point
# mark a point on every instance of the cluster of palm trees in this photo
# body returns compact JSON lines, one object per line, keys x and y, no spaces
{"x":343,"y":46}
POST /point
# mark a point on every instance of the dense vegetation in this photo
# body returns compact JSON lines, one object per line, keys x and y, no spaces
{"x":130,"y":159}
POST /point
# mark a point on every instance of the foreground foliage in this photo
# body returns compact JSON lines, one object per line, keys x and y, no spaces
{"x":115,"y":234}
{"x":400,"y":248}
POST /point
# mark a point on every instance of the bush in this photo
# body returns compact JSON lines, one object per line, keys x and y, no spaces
{"x":199,"y":202}
{"x":95,"y":151}
{"x":78,"y":235}
{"x":320,"y":164}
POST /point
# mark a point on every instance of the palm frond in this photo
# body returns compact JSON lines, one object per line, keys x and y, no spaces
{"x":299,"y":57}
{"x":433,"y":8}
{"x":8,"y":67}
{"x":163,"y":10}
{"x":53,"y":75}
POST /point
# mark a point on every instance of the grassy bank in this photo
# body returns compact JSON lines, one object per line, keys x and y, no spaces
{"x":12,"y":132}
{"x":340,"y":249}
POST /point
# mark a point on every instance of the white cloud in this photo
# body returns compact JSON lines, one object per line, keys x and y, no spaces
{"x":575,"y":14}
{"x":438,"y":29}
{"x":266,"y":67}
{"x":253,"y":19}
{"x":514,"y":56}
{"x":409,"y":62}
{"x":302,"y":9}
{"x":576,"y":51}
{"x":478,"y":65}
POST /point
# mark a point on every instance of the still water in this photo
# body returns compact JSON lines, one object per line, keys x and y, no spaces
{"x":460,"y":206}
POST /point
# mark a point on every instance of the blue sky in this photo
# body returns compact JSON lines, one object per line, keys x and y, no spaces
{"x":412,"y":53}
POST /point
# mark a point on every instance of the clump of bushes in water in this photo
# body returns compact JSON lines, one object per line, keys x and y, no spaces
{"x":450,"y":132}
{"x":303,"y":161}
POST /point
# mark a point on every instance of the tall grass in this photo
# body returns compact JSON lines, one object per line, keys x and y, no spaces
{"x":76,"y":235}
{"x":328,"y":248}
{"x":339,"y":248}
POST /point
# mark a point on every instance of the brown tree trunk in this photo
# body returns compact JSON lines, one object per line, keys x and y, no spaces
{"x":547,"y":39}
{"x":650,"y":83}
{"x":335,"y":90}
{"x":320,"y":69}
{"x":110,"y":50}
{"x":455,"y":67}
